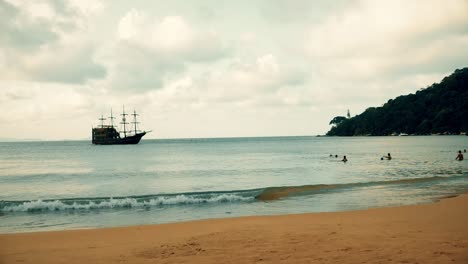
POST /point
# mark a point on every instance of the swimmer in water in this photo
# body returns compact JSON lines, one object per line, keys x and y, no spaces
{"x":389,"y":157}
{"x":344,"y":159}
{"x":459,"y":156}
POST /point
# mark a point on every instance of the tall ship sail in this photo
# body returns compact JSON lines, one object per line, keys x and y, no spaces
{"x":107,"y":134}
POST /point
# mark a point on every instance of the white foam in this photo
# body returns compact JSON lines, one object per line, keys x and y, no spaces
{"x":58,"y":205}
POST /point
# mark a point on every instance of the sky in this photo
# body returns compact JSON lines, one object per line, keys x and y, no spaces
{"x":217,"y":68}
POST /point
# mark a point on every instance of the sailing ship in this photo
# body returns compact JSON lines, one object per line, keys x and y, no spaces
{"x":108,"y":134}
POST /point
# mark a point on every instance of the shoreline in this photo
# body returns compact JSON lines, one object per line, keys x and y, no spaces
{"x":433,"y":200}
{"x":428,"y":233}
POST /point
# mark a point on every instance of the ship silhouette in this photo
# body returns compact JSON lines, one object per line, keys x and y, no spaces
{"x":108,"y":134}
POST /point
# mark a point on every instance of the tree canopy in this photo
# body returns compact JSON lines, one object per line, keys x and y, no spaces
{"x":337,"y":120}
{"x":439,"y":108}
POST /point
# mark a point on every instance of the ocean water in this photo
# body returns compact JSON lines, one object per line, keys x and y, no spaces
{"x":75,"y":185}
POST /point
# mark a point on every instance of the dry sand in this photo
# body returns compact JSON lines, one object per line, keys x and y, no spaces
{"x":431,"y":233}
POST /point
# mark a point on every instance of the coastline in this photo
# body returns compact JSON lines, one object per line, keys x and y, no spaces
{"x":428,"y":233}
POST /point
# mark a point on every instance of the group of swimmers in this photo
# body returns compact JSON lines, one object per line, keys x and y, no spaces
{"x":389,"y":157}
{"x":344,"y":158}
{"x":460,"y":155}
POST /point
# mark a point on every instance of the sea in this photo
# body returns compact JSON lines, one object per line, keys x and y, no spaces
{"x":63,"y":185}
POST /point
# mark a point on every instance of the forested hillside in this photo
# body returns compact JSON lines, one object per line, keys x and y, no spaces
{"x":440,"y":108}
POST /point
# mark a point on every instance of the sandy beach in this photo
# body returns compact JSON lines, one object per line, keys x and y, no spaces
{"x":429,"y":233}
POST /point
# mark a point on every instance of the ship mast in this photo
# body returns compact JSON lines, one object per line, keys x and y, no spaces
{"x":135,"y":120}
{"x":112,"y":119}
{"x":124,"y":121}
{"x":102,"y":121}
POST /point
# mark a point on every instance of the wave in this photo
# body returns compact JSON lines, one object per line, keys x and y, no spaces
{"x":275,"y":193}
{"x":145,"y":201}
{"x":162,"y":200}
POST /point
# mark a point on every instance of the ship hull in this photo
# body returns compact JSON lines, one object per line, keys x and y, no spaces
{"x":135,"y":139}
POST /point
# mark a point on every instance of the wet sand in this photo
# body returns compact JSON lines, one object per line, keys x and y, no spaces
{"x":430,"y":233}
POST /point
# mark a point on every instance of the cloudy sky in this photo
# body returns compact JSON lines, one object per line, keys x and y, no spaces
{"x":217,"y":68}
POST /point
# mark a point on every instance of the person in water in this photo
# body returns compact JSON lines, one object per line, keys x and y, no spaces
{"x":389,"y":157}
{"x":459,"y":156}
{"x":344,"y":159}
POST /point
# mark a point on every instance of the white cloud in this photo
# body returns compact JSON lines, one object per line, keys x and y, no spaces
{"x":374,"y":37}
{"x":218,"y":68}
{"x":87,"y":8}
{"x":44,"y":41}
{"x":149,"y":51}
{"x":37,"y":10}
{"x":130,"y":26}
{"x":42,"y":108}
{"x":262,"y":81}
{"x":171,"y":37}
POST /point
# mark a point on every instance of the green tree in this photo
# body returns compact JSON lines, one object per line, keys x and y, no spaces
{"x":337,"y":120}
{"x":441,"y":107}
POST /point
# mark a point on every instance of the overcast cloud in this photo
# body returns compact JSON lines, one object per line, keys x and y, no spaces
{"x":217,"y":68}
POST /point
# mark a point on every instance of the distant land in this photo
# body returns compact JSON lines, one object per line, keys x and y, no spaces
{"x":19,"y":139}
{"x":441,"y":108}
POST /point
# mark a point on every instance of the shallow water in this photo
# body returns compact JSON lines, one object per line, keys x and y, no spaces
{"x":74,"y":184}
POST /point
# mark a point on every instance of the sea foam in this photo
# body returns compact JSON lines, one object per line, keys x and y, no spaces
{"x":124,"y":202}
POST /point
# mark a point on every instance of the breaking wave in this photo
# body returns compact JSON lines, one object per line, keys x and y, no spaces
{"x":127,"y":202}
{"x":162,"y":200}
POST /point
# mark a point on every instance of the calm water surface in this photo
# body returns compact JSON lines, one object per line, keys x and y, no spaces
{"x":74,"y":184}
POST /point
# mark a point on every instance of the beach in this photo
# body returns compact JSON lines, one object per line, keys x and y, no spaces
{"x":428,"y":233}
